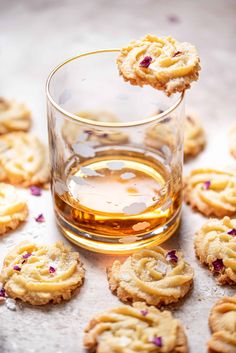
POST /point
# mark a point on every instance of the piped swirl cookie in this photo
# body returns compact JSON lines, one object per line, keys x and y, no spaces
{"x":154,"y":276}
{"x":23,"y":160}
{"x":13,"y":208}
{"x":163,"y":63}
{"x":73,"y":133}
{"x":164,"y":135}
{"x":222,"y":322}
{"x":194,"y":136}
{"x":139,"y":328}
{"x":41,"y":274}
{"x":13,"y":116}
{"x":215,"y":245}
{"x":212,"y":192}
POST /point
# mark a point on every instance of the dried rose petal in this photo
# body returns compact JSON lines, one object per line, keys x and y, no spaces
{"x":52,"y":269}
{"x":171,"y":256}
{"x":27,"y":255}
{"x":207,"y":185}
{"x":218,"y":265}
{"x":177,"y":53}
{"x":144,"y":312}
{"x":157,"y":341}
{"x":40,"y":218}
{"x":36,"y":191}
{"x":232,"y":232}
{"x":104,"y":135}
{"x":173,"y":19}
{"x":16,"y":268}
{"x":2,"y":293}
{"x":146,"y":61}
{"x":88,"y":132}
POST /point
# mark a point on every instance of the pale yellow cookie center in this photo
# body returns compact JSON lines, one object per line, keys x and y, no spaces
{"x":148,"y":273}
{"x":170,"y":58}
{"x":216,"y":242}
{"x":10,"y":201}
{"x":21,"y":154}
{"x":221,"y":191}
{"x":47,"y":269}
{"x":127,"y":329}
{"x":228,"y":321}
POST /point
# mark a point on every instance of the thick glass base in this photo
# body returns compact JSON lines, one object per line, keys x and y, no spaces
{"x":117,"y":245}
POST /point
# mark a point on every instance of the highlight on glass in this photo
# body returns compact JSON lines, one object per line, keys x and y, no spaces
{"x":116,"y":156}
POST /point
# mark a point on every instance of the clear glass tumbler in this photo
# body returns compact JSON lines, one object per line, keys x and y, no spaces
{"x":116,"y":156}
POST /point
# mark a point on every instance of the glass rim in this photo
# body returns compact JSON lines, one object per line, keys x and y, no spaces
{"x":86,"y":121}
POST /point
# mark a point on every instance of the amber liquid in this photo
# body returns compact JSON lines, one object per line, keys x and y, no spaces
{"x":118,"y":196}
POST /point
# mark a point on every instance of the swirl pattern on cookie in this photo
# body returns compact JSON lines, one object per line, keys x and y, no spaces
{"x":73,"y":133}
{"x":232,"y":142}
{"x":23,"y":160}
{"x":212,"y":192}
{"x":222,"y":322}
{"x":13,"y":208}
{"x":139,"y":328}
{"x":13,"y":116}
{"x":194,"y":135}
{"x":41,"y":274}
{"x":151,"y":276}
{"x":163,"y":63}
{"x":215,"y":245}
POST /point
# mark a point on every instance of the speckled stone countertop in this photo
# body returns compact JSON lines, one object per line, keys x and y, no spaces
{"x":37,"y":35}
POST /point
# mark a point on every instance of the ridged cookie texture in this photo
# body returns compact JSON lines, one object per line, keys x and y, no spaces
{"x":162,"y":62}
{"x":222,"y":322}
{"x":23,"y":160}
{"x":211,"y":192}
{"x":14,"y":116}
{"x":74,"y":133}
{"x":215,"y":246}
{"x":135,"y":329}
{"x":157,"y":277}
{"x":13,"y":208}
{"x":39,"y":274}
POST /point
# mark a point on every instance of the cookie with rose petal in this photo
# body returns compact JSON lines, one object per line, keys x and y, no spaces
{"x":73,"y":133}
{"x":136,"y":328}
{"x":222,"y":322}
{"x":39,"y":274}
{"x":23,"y":160}
{"x":161,"y":62}
{"x":164,"y":136}
{"x":154,"y":276}
{"x":215,"y":246}
{"x":13,"y":208}
{"x":211,"y":192}
{"x":194,"y":135}
{"x":14,"y":116}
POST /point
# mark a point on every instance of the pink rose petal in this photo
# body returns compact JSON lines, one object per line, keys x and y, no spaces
{"x":40,"y":218}
{"x":146,"y":61}
{"x":52,"y":269}
{"x":35,"y":191}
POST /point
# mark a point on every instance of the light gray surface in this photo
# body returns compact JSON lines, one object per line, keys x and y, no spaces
{"x":35,"y":36}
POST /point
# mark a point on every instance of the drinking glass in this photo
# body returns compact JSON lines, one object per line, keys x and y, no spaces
{"x":116,"y":154}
